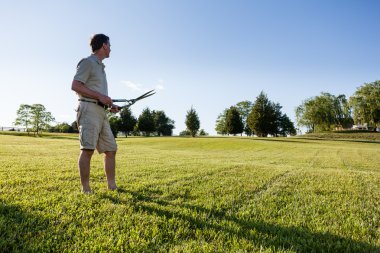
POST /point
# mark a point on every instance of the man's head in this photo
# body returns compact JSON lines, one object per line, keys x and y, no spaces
{"x":101,"y":42}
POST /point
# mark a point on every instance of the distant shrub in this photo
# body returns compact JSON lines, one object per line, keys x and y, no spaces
{"x":185,"y":133}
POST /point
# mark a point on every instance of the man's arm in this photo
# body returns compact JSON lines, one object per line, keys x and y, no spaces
{"x":83,"y":90}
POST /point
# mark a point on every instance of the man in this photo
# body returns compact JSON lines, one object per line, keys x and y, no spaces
{"x":90,"y":84}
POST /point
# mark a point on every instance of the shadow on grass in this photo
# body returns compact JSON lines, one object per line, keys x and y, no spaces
{"x":64,"y":136}
{"x":58,"y":136}
{"x":296,"y":139}
{"x":260,"y":233}
{"x":308,"y":140}
{"x":340,"y":140}
{"x":290,"y":140}
{"x":19,"y":228}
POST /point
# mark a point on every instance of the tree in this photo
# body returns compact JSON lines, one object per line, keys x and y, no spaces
{"x":305,"y":115}
{"x":323,"y":112}
{"x":262,"y":116}
{"x":286,"y":126}
{"x":366,"y":104}
{"x":24,"y":116}
{"x":74,"y":125}
{"x":234,"y":123}
{"x":185,"y":133}
{"x":127,"y":121}
{"x":115,"y":123}
{"x":192,"y":122}
{"x":163,"y":125}
{"x":145,"y":122}
{"x":220,"y":126}
{"x":276,"y":119}
{"x":40,"y":118}
{"x":62,"y":128}
{"x":136,"y":131}
{"x":244,"y":108}
{"x":343,"y":112}
{"x":202,"y":132}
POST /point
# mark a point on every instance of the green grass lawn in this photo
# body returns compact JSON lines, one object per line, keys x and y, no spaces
{"x":192,"y":195}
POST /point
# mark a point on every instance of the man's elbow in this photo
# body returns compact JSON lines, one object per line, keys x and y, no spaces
{"x":75,"y":86}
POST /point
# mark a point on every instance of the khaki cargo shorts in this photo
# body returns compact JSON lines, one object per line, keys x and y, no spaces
{"x":94,"y":128}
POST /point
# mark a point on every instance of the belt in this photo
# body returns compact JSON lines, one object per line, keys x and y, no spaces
{"x":94,"y":102}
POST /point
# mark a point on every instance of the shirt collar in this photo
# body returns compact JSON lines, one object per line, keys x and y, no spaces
{"x":97,"y":60}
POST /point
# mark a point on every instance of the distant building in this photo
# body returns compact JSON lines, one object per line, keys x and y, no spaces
{"x":18,"y":129}
{"x":364,"y":126}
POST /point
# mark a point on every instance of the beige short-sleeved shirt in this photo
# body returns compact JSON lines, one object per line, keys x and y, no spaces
{"x":90,"y":71}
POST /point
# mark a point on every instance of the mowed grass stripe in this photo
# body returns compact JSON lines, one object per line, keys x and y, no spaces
{"x":192,"y":195}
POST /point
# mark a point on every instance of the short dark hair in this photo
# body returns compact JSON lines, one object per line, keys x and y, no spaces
{"x":98,"y":40}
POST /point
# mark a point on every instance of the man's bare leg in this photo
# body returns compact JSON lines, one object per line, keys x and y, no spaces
{"x":84,"y":169}
{"x":109,"y":168}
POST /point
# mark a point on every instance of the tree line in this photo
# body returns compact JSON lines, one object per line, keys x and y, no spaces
{"x":262,"y":118}
{"x":153,"y":123}
{"x":150,"y":122}
{"x":327,"y":112}
{"x":35,"y":118}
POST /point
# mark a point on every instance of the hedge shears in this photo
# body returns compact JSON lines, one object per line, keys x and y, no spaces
{"x":130,"y":102}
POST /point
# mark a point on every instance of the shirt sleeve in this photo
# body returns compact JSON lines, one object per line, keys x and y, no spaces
{"x":83,"y":71}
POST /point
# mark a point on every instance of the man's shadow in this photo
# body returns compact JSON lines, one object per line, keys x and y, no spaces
{"x":271,"y":236}
{"x":18,"y":229}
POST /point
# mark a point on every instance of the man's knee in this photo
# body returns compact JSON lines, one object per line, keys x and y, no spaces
{"x":87,"y":152}
{"x":110,"y":154}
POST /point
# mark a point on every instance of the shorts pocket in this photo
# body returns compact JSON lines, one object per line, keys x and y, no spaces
{"x":86,"y":137}
{"x":81,"y":109}
{"x":78,"y":114}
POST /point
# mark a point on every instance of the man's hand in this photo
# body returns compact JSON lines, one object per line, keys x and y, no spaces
{"x":114,"y":108}
{"x":105,"y":100}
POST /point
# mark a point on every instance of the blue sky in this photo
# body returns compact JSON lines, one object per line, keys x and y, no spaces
{"x":205,"y":54}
